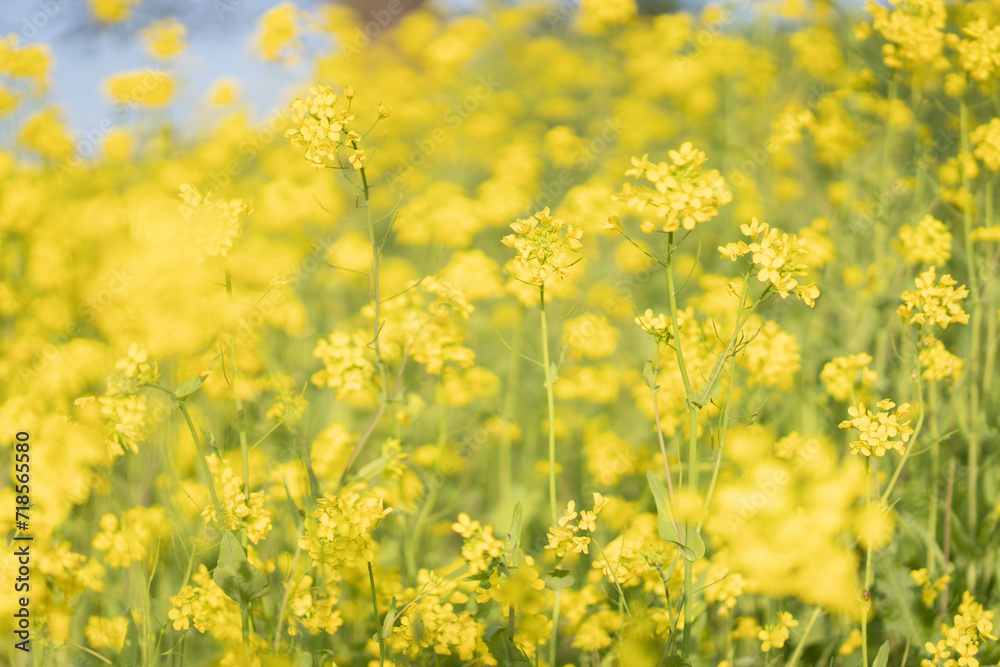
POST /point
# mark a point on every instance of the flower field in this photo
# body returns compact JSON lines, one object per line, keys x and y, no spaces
{"x":531,"y":334}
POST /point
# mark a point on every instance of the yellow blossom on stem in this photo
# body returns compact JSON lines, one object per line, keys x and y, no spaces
{"x":936,"y":303}
{"x":681,"y":194}
{"x":879,"y":433}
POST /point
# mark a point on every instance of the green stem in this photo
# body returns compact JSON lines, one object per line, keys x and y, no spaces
{"x":509,"y":406}
{"x":378,"y":626}
{"x":866,"y":603}
{"x":219,"y":515}
{"x":550,"y":396}
{"x":555,"y":631}
{"x":973,"y":366}
{"x":805,"y":634}
{"x":241,"y":419}
{"x":374,"y":293}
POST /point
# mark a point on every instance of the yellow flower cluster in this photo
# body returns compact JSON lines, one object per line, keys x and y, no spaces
{"x":927,"y":243}
{"x":239,"y":512}
{"x":113,"y":11}
{"x":211,"y":225}
{"x":590,"y":336}
{"x":979,"y":52}
{"x":935,"y":303}
{"x":106,"y":632}
{"x":938,"y":362}
{"x":771,"y":357}
{"x":318,"y":124}
{"x":205,"y":606}
{"x":566,"y":536}
{"x":431,"y":621}
{"x":598,"y":15}
{"x":133,"y":372}
{"x":125,"y":418}
{"x":480,"y":547}
{"x":165,"y":39}
{"x":877,"y":433}
{"x":914,"y":30}
{"x":681,"y":196}
{"x":45,"y":133}
{"x":153,"y":89}
{"x":841,"y":375}
{"x":31,"y":61}
{"x":129,"y":539}
{"x":972,"y":626}
{"x":313,"y":605}
{"x":659,"y":326}
{"x":345,"y":367}
{"x":543,"y":248}
{"x":338,"y":532}
{"x":522,"y":589}
{"x":728,"y":587}
{"x":929,"y":589}
{"x":776,"y":256}
{"x":775,"y":636}
{"x":986,"y":138}
{"x":279,"y":33}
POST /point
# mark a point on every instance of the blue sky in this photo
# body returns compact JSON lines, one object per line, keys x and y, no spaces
{"x":221,"y":44}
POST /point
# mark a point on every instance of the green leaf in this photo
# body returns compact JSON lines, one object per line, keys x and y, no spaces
{"x":304,"y":659}
{"x":373,"y":468}
{"x":665,"y":519}
{"x":130,"y":654}
{"x":390,"y":619}
{"x":189,"y":387}
{"x":235,"y":575}
{"x":882,"y":657}
{"x":676,"y":661}
{"x":559,"y":579}
{"x":698,"y":547}
{"x":649,"y":375}
{"x":513,"y":543}
{"x":503,"y":649}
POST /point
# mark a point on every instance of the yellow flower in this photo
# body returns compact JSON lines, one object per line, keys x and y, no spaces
{"x":841,"y":375}
{"x":210,"y":225}
{"x":318,"y":123}
{"x":915,"y":32}
{"x":877,"y":433}
{"x":934,"y":304}
{"x":145,"y":87}
{"x":928,"y":243}
{"x":165,"y":39}
{"x":979,"y":52}
{"x":546,"y":246}
{"x":106,"y":632}
{"x":776,"y":256}
{"x":338,"y":532}
{"x":113,"y":11}
{"x":30,"y":61}
{"x":279,"y":33}
{"x":986,"y":137}
{"x":681,"y":196}
{"x":345,"y":366}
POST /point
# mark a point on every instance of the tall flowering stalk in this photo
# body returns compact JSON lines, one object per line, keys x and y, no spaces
{"x":680,"y":196}
{"x":546,"y":248}
{"x":323,"y":130}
